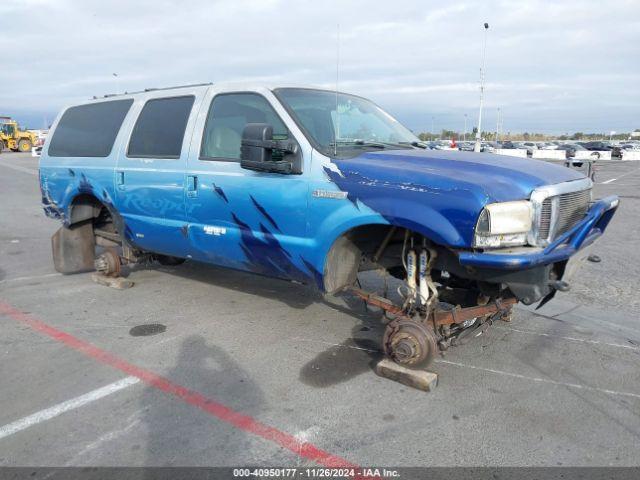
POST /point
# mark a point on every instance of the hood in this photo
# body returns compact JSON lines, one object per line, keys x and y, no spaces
{"x":498,"y":178}
{"x":440,"y":193}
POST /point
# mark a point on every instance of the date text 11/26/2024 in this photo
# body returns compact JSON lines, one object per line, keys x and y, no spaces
{"x":356,"y":473}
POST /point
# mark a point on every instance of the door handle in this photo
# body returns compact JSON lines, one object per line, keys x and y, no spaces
{"x":120,"y":179}
{"x":192,"y":186}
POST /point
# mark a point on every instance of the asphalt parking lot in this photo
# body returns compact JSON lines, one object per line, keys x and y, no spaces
{"x":255,"y":371}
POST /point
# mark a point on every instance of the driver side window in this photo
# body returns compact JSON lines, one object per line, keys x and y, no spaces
{"x":228,"y":115}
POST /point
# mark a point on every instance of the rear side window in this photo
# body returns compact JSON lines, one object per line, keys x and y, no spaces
{"x":159,"y":131}
{"x":89,"y":130}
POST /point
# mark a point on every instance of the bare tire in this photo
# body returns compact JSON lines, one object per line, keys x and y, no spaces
{"x":24,"y":146}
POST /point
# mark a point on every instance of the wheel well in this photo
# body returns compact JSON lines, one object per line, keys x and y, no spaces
{"x":84,"y":207}
{"x":105,"y":222}
{"x":365,"y":247}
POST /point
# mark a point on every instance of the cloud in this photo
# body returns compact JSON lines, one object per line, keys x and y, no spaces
{"x":551,"y":66}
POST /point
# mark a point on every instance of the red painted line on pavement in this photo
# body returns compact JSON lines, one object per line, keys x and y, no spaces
{"x":222,"y":412}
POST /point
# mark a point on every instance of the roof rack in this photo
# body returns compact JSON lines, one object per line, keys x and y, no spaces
{"x":147,"y":90}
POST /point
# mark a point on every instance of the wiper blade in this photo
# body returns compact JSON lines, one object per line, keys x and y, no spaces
{"x":415,"y":144}
{"x":358,"y":143}
{"x":371,"y":144}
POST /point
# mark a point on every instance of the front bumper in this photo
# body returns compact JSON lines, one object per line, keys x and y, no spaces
{"x":583,"y":234}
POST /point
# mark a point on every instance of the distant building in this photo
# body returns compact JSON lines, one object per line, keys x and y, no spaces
{"x":635,"y":134}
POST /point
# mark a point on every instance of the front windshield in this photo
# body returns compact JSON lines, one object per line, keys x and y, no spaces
{"x":356,"y":124}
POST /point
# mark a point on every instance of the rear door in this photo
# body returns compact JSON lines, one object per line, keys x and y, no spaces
{"x":150,"y":175}
{"x":240,"y":218}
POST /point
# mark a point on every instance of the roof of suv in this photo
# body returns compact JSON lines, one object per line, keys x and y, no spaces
{"x":225,"y":85}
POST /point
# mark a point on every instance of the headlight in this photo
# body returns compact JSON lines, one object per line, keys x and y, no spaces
{"x":504,"y":224}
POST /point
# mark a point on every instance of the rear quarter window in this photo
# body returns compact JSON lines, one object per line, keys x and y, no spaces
{"x":89,"y":130}
{"x":160,"y":128}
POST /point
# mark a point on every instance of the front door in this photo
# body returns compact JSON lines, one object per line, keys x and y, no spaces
{"x":150,"y":176}
{"x":239,"y":218}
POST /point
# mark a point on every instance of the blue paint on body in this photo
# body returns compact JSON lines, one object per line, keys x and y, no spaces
{"x":264,"y":212}
{"x":441,"y":193}
{"x":220,"y":192}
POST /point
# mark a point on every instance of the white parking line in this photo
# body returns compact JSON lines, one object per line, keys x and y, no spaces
{"x":542,"y":380}
{"x":18,"y":168}
{"x":107,"y":437}
{"x":32,"y":277}
{"x":623,"y":175}
{"x":572,"y":339}
{"x":49,"y":413}
{"x":333,"y":344}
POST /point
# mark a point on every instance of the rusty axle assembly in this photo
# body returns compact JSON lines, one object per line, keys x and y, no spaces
{"x":412,"y":340}
{"x":456,"y":315}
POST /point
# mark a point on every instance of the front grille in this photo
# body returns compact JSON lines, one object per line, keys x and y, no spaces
{"x":561,"y":212}
{"x":545,"y":218}
{"x":571,"y":208}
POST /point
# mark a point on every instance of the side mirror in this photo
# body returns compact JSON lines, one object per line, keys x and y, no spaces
{"x":260,"y":152}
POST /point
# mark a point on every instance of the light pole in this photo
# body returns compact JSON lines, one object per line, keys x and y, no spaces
{"x":498,"y":125}
{"x":476,"y":148}
{"x":433,"y":132}
{"x":464,"y":134}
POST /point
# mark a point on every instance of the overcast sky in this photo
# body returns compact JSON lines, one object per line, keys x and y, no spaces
{"x":552,"y":66}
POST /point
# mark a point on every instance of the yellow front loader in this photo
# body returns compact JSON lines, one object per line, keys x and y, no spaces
{"x":12,"y":138}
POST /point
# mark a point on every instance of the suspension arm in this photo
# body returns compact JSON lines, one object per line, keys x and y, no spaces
{"x":460,"y":315}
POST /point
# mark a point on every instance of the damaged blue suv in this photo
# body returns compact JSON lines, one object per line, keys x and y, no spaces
{"x":312,"y":186}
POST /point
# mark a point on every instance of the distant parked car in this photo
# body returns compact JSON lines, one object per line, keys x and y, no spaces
{"x":442,"y":144}
{"x":466,"y":146}
{"x":571,"y":149}
{"x":489,"y":147}
{"x":629,"y":147}
{"x":596,"y":146}
{"x":528,"y":146}
{"x":36,"y":149}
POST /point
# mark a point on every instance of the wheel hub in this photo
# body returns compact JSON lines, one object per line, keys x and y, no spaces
{"x":409,"y":343}
{"x":108,"y":264}
{"x":406,"y":349}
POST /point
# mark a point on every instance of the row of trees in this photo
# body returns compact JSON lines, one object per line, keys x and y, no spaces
{"x":536,"y":137}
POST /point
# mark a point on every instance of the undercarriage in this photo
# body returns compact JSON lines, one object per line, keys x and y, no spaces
{"x":437,"y":308}
{"x":412,"y":338}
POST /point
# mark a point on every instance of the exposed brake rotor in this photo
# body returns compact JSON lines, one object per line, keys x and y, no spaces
{"x":409,"y":343}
